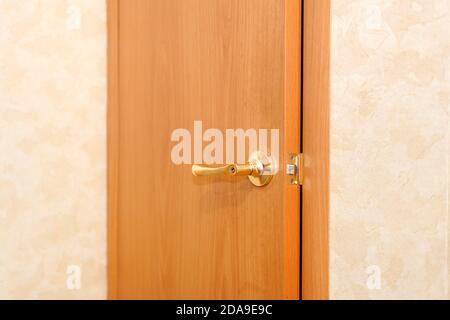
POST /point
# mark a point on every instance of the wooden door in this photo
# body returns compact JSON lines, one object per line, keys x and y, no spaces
{"x":230,"y":64}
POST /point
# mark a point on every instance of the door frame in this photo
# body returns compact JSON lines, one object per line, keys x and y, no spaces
{"x":113,"y":124}
{"x":307,"y":112}
{"x":316,"y":43}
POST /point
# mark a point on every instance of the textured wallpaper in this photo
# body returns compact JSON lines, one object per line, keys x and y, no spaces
{"x":52,"y":149}
{"x":390,"y":149}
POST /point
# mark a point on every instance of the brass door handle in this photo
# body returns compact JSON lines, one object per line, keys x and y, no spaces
{"x":259,"y":170}
{"x":228,"y":170}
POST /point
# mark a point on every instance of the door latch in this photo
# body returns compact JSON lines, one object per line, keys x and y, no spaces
{"x":294,"y":169}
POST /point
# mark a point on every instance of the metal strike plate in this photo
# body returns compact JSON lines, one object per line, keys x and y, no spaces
{"x":294,"y":169}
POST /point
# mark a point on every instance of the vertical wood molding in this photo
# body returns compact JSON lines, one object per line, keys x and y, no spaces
{"x":113,"y":144}
{"x":292,"y":145}
{"x":316,"y":145}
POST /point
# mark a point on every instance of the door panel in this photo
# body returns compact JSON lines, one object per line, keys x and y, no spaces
{"x":231,"y":64}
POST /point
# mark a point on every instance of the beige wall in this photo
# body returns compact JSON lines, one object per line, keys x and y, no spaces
{"x":389,"y":148}
{"x":52,"y":147}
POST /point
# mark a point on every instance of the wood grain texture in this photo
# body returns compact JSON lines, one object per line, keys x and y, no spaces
{"x":113,"y":146}
{"x":316,"y":122}
{"x":175,"y":236}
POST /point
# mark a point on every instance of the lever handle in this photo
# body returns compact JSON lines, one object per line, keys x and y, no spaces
{"x":228,"y":170}
{"x":259,"y":170}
